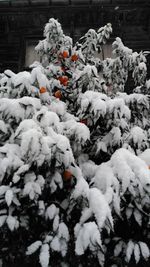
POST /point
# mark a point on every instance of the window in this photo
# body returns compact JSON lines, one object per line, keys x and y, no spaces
{"x":31,"y":55}
{"x":106,"y":51}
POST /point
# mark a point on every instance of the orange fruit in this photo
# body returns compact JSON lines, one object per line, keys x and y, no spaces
{"x":65,"y":54}
{"x":63,"y":80}
{"x":43,"y":90}
{"x":74,"y":57}
{"x":67,"y":175}
{"x":65,"y":83}
{"x":84,"y":121}
{"x":60,"y":79}
{"x":58,"y":94}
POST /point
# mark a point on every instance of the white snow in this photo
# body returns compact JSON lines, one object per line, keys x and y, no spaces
{"x":145,"y":156}
{"x":44,"y":255}
{"x":87,"y":236}
{"x":51,"y":212}
{"x":145,"y":251}
{"x":33,"y":247}
{"x":100,"y":208}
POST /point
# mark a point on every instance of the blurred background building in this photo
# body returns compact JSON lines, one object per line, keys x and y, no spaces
{"x":22,"y":23}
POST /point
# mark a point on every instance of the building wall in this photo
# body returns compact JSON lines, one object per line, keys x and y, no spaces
{"x":22,"y":23}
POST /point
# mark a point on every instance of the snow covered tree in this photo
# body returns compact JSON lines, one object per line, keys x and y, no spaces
{"x":75,"y":156}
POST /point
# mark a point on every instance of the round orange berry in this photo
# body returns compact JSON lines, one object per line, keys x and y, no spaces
{"x":43,"y":90}
{"x":67,"y":175}
{"x":74,"y":57}
{"x":58,"y":94}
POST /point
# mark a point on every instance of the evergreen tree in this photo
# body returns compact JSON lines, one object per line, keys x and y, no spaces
{"x":74,"y":156}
